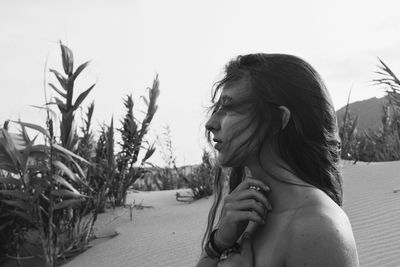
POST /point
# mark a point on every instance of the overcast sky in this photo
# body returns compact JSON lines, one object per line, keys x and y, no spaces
{"x":187,"y":43}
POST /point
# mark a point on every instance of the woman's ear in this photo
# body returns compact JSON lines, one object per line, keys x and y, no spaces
{"x":285,"y":116}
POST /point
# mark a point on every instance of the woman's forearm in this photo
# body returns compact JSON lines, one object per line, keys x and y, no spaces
{"x":207,"y":261}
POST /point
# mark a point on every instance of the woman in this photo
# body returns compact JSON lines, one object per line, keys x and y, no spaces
{"x":274,"y":116}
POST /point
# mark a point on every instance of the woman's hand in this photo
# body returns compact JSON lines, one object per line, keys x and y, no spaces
{"x":242,"y":205}
{"x":243,"y":259}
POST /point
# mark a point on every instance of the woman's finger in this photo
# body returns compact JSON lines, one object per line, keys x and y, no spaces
{"x":252,"y":194}
{"x":248,"y":182}
{"x":249,"y":205}
{"x":247,"y":216}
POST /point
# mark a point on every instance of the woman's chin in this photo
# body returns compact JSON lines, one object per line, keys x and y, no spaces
{"x":222,"y":160}
{"x":226,"y":161}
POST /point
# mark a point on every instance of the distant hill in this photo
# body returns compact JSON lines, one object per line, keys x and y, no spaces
{"x":369,"y":112}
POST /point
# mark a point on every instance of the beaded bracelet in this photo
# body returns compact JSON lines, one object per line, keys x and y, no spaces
{"x":214,"y":252}
{"x":234,"y":249}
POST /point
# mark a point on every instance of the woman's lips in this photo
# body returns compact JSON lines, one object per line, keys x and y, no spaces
{"x":218,"y":146}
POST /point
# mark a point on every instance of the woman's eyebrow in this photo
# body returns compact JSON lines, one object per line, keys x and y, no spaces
{"x":225,"y":99}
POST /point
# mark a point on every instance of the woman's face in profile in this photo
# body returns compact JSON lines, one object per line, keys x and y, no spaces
{"x":230,"y":126}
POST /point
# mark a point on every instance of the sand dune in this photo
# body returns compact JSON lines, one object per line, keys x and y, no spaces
{"x":169,"y":234}
{"x":374,"y":211}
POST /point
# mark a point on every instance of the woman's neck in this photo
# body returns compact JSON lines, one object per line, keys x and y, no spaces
{"x":283,"y":196}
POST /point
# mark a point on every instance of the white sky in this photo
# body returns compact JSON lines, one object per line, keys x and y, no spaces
{"x":187,"y":43}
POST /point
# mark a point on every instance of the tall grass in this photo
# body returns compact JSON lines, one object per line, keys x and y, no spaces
{"x":348,"y":133}
{"x":133,"y":134}
{"x":56,"y":188}
{"x":383,"y":144}
{"x":38,"y":187}
{"x":66,"y":104}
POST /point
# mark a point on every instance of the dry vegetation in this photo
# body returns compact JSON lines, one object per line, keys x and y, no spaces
{"x":52,"y":191}
{"x":56,"y":188}
{"x":382,"y":144}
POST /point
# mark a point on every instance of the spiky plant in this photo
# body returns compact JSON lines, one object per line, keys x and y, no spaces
{"x":39,"y":187}
{"x":348,"y":132}
{"x":201,"y":180}
{"x":103,"y":171}
{"x":391,"y":112}
{"x":167,"y":177}
{"x":66,"y":104}
{"x":390,"y":82}
{"x":382,"y":144}
{"x":132,"y":136}
{"x":86,"y":142}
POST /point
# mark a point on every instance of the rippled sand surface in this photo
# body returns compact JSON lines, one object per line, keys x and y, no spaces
{"x":169,"y":233}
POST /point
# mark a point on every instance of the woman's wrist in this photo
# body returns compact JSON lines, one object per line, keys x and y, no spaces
{"x":220,"y":243}
{"x":216,"y":250}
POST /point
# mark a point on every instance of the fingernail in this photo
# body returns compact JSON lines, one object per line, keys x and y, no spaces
{"x":269,"y":207}
{"x":267,"y":188}
{"x":246,"y":235}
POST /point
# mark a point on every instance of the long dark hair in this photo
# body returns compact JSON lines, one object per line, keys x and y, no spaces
{"x":309,"y":144}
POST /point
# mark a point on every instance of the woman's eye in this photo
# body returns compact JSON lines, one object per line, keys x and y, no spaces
{"x":217,"y":108}
{"x":222,"y":108}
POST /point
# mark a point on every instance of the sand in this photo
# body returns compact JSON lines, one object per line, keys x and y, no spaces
{"x":374,"y":211}
{"x":169,"y":234}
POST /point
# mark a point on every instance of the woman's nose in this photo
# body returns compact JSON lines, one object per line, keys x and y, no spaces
{"x":212,"y":124}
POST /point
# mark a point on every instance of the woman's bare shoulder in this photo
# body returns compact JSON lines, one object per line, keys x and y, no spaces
{"x":321,"y":235}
